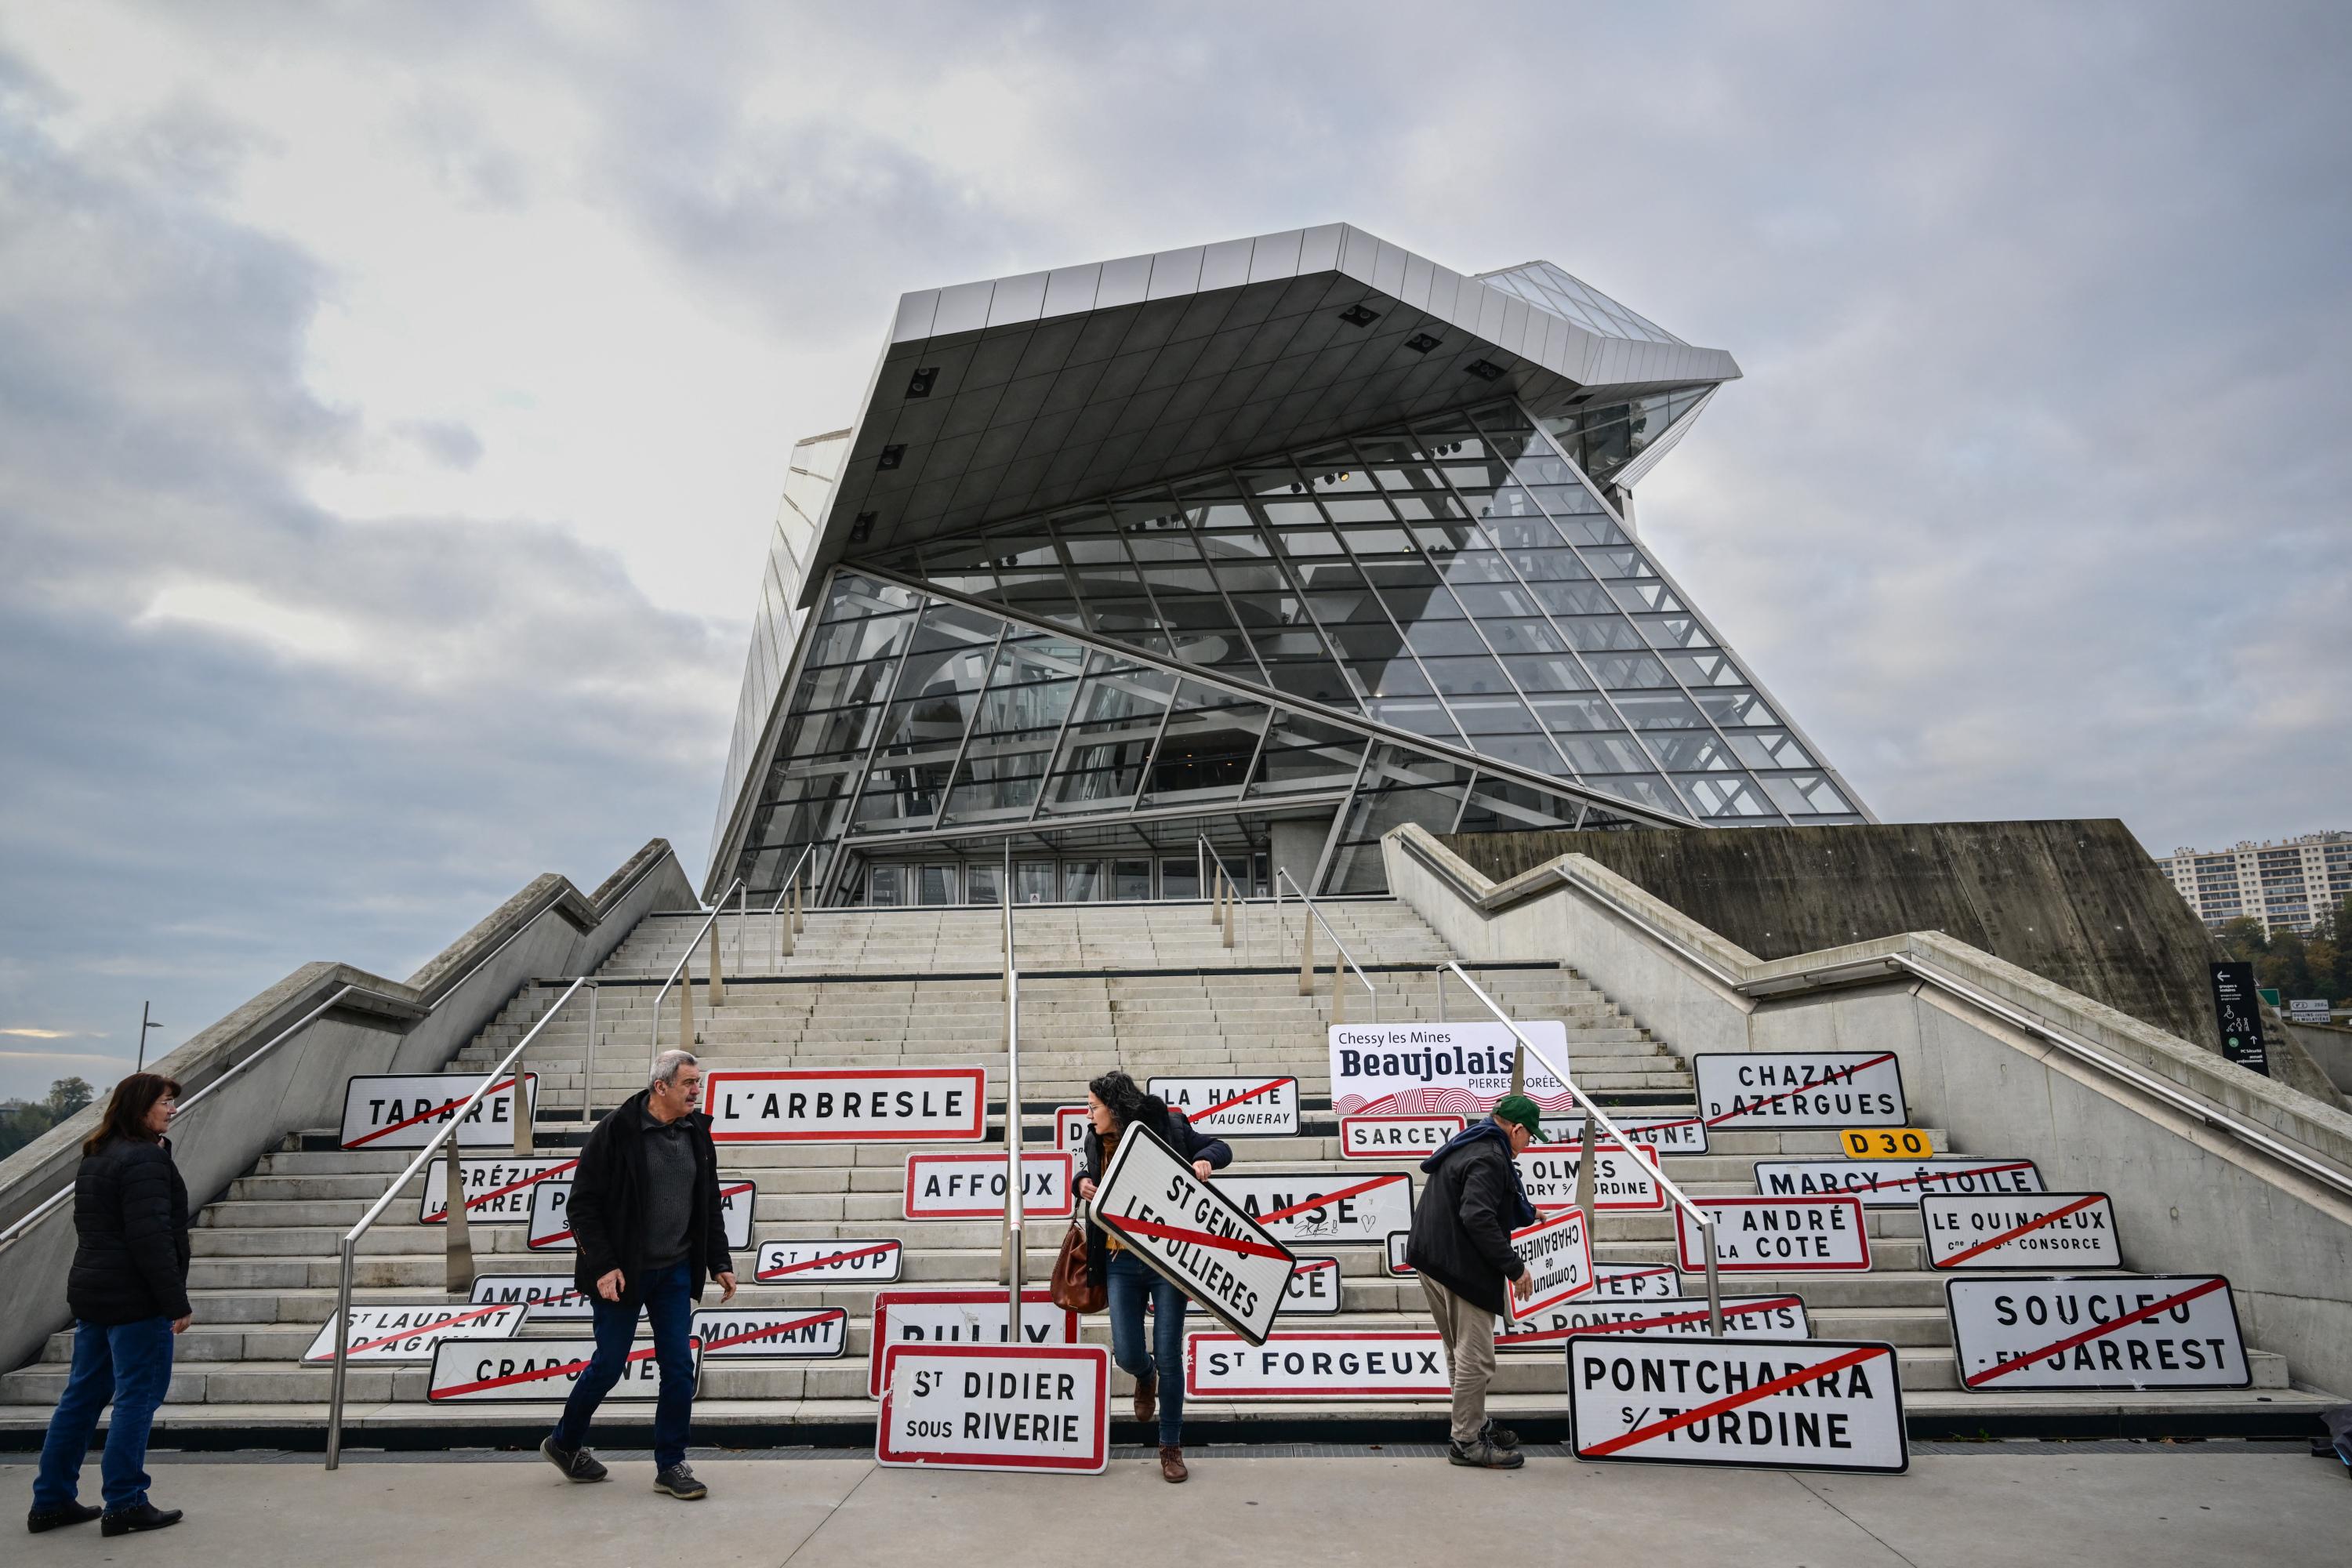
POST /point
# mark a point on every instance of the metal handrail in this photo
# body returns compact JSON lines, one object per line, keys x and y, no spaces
{"x":2173,"y":1095}
{"x":717,"y":907}
{"x":351,"y":1237}
{"x":1594,"y":1116}
{"x":1224,"y":897}
{"x":1282,"y":875}
{"x":782,"y":925}
{"x":27,"y":1221}
{"x":1015,"y":1250}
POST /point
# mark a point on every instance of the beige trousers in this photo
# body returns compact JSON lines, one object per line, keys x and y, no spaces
{"x":1469,"y":1350}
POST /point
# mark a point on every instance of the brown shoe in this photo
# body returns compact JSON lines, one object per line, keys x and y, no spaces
{"x":1145,"y":1405}
{"x":1171,"y":1463}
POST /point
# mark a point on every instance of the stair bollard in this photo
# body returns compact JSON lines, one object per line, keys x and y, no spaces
{"x":588,"y":1062}
{"x":459,"y":1252}
{"x":718,"y":986}
{"x":1229,"y":907}
{"x":685,"y":1012}
{"x":1338,"y":986}
{"x":1583,"y":1171}
{"x":1305,"y":949}
{"x":520,"y":1111}
{"x":799,"y":908}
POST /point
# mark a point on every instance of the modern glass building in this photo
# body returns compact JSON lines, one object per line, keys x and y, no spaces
{"x":1281,"y":542}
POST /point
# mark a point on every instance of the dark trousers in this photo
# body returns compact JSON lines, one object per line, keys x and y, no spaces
{"x":1130,"y":1282}
{"x":131,"y":1364}
{"x":669,"y":1298}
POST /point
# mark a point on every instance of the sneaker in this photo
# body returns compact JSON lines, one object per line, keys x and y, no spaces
{"x":680,"y":1482}
{"x":577,"y":1464}
{"x":1501,"y":1437}
{"x":138,"y":1517}
{"x":42,"y":1519}
{"x":1483,"y":1455}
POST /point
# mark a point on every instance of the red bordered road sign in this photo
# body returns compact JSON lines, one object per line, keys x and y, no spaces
{"x":1806,"y":1405}
{"x":1896,"y":1183}
{"x":1396,"y":1137}
{"x":1334,"y":1364}
{"x":1644,"y":1281}
{"x":403,"y":1111}
{"x":1323,"y":1207}
{"x":1761,"y":1090}
{"x":2077,"y":1229}
{"x":491,"y":1371}
{"x":876,"y":1261}
{"x":1193,"y":1235}
{"x":1070,"y":1124}
{"x":971,"y":1186}
{"x":2117,"y":1332}
{"x":1623,"y":1178}
{"x":995,"y":1407}
{"x":847,"y":1105}
{"x":1559,"y":1254}
{"x":1749,"y":1317}
{"x":772,"y":1334}
{"x":1247,"y":1106}
{"x":550,"y":1214}
{"x":549,"y":1296}
{"x":960,"y":1315}
{"x":1777,"y":1236}
{"x":1394,"y":1258}
{"x":409,"y":1332}
{"x":497,"y":1191}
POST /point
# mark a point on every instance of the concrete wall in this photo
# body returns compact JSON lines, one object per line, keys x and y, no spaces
{"x":2189,"y":1198}
{"x":549,"y":930}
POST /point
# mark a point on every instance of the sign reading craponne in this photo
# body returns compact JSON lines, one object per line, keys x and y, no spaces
{"x":1894,"y":1184}
{"x":1188,"y":1232}
{"x":1242,"y":1107}
{"x":1806,"y":1404}
{"x":403,"y":1111}
{"x":828,"y":1262}
{"x":1761,"y":1091}
{"x":847,"y":1105}
{"x":2164,"y":1330}
{"x":1323,"y":1207}
{"x":962,"y":1315}
{"x":1777,"y":1236}
{"x":1747,"y":1317}
{"x":2072,"y":1229}
{"x":1558,"y":1256}
{"x":1420,"y":1070}
{"x":487,"y":1372}
{"x":971,"y":1186}
{"x":995,"y":1407}
{"x":410,"y":1332}
{"x":1332,"y":1363}
{"x":1396,"y":1137}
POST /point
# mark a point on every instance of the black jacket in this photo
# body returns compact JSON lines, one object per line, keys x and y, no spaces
{"x":607,"y":1207}
{"x":130,"y":1213}
{"x":1178,"y":1135}
{"x":1469,"y":1206}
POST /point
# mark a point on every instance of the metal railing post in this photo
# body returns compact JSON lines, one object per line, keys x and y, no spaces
{"x":342,"y":1356}
{"x":518,"y":1109}
{"x":588,"y":1065}
{"x":1584,"y":1157}
{"x":684,"y":1013}
{"x":1714,"y":1286}
{"x":1306,"y":951}
{"x":1228,"y":882}
{"x":1016,"y":1251}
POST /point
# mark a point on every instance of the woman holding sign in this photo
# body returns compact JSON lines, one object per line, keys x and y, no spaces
{"x":1114,"y":1103}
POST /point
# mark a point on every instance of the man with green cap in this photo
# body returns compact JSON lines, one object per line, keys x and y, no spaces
{"x":1461,"y":1247}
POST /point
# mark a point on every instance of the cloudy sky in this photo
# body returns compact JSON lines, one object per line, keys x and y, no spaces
{"x":393,"y":398}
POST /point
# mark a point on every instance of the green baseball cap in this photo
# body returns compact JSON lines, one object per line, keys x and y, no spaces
{"x":1518,"y":1107}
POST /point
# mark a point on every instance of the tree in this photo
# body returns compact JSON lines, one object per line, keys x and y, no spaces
{"x":68,"y":1095}
{"x":20,"y":1124}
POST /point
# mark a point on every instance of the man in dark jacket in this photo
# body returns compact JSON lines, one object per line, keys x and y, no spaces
{"x":1461,"y":1247}
{"x":645,"y":1216}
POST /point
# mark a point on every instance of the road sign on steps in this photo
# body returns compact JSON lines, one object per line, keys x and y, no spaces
{"x":1777,"y":1236}
{"x":971,"y":1186}
{"x":2114,"y":1331}
{"x":1637,"y":1281}
{"x":996,"y":1407}
{"x":403,"y":1111}
{"x":960,"y":1315}
{"x":549,"y":1296}
{"x":1806,"y":1405}
{"x":1682,"y":1135}
{"x":1896,"y":1183}
{"x":1396,"y":1137}
{"x":1314,"y":1292}
{"x":1245,"y":1106}
{"x":1622,"y":1178}
{"x":876,"y":1261}
{"x":498,"y":1371}
{"x":847,"y":1105}
{"x":1420,"y":1069}
{"x":497,"y":1191}
{"x":550,"y":1214}
{"x":1187,"y":1231}
{"x":772,"y":1334}
{"x":1070,"y":1124}
{"x":1399,"y":1242}
{"x":1767,"y":1090}
{"x":409,"y":1332}
{"x":1323,"y":1207}
{"x":1329,"y":1363}
{"x":1747,"y":1317}
{"x":1558,"y":1256}
{"x":2077,"y":1229}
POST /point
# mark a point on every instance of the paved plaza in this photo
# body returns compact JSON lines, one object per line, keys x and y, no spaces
{"x":2088,"y":1505}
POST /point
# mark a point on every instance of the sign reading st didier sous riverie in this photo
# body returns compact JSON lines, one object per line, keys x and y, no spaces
{"x":2239,"y":1011}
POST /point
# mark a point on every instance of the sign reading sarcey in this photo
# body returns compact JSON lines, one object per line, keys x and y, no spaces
{"x":1806,"y":1405}
{"x":1747,"y":1317}
{"x":1777,"y":1236}
{"x":847,"y":1105}
{"x":1622,"y":1178}
{"x":1419,"y":1069}
{"x":1558,"y":1256}
{"x":1248,"y":1106}
{"x":410,"y":1332}
{"x":1329,"y":1363}
{"x":962,"y":1315}
{"x":1894,"y":1184}
{"x":502,"y":1371}
{"x":497,"y":1192}
{"x":2163,"y":1330}
{"x":971,"y":1186}
{"x":1193,"y":1235}
{"x":403,"y":1111}
{"x":2075,"y":1229}
{"x":1324,"y":1206}
{"x":1761,"y":1090}
{"x":996,"y":1407}
{"x":1396,"y":1137}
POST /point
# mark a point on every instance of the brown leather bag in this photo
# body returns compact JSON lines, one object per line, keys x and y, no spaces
{"x":1071,"y":1290}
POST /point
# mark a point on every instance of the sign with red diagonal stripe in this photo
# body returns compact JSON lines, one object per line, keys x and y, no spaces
{"x":1804,"y":1405}
{"x":1896,"y":1183}
{"x":549,"y":1297}
{"x":1622,"y":1178}
{"x":801,"y":1262}
{"x":1188,"y":1232}
{"x":497,"y":1191}
{"x":1070,"y":1124}
{"x":1762,"y":1090}
{"x":409,"y":1332}
{"x":1747,"y":1317}
{"x":1558,"y":1256}
{"x":1777,"y":1236}
{"x":403,"y":1111}
{"x":2074,"y":1229}
{"x":550,"y":1214}
{"x":1638,"y":1281}
{"x":1396,"y":1137}
{"x":847,"y":1105}
{"x":995,"y":1407}
{"x":1322,"y":1207}
{"x":2137,"y":1330}
{"x":960,"y":1315}
{"x":497,"y":1372}
{"x":1247,"y":1106}
{"x":772,"y":1334}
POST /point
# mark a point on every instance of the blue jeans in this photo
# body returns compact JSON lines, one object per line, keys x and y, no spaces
{"x":1129,"y":1281}
{"x":130,"y":1363}
{"x":668,"y":1297}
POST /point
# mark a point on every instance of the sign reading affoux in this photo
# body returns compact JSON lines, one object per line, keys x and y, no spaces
{"x":1188,"y":1232}
{"x":847,"y":1105}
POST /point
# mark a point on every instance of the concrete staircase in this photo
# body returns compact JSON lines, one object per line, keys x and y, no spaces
{"x":1149,"y":987}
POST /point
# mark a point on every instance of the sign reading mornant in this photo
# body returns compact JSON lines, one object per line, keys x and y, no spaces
{"x":409,"y":1332}
{"x":487,"y":1372}
{"x":2077,"y":1229}
{"x":1896,"y":1183}
{"x":2155,"y":1330}
{"x":1745,"y":1317}
{"x":960,"y":1315}
{"x":1396,"y":1137}
{"x":1777,"y":1236}
{"x":847,"y":1105}
{"x":971,"y":1186}
{"x":1806,"y":1404}
{"x":1558,"y":1256}
{"x":497,"y":1192}
{"x":1327,"y":1364}
{"x":1247,"y":1106}
{"x":1323,"y":1207}
{"x":1420,"y":1069}
{"x":1188,"y":1232}
{"x":772,"y":1334}
{"x":1763,"y":1090}
{"x":995,"y":1407}
{"x":403,"y":1111}
{"x":875,"y":1261}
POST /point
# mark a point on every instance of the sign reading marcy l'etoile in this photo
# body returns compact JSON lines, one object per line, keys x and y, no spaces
{"x":1419,"y":1069}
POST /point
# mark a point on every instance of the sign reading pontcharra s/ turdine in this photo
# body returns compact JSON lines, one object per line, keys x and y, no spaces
{"x":1805,"y":1405}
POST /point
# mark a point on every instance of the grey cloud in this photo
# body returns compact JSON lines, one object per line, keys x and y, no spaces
{"x":449,"y":442}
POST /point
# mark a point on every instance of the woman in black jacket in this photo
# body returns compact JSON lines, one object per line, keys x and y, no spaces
{"x":1114,"y":1103}
{"x":128,"y":1293}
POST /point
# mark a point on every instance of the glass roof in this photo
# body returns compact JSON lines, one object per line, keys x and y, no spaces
{"x":1548,"y":287}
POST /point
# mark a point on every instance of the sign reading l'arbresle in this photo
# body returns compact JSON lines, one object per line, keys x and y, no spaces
{"x":1192,"y":1234}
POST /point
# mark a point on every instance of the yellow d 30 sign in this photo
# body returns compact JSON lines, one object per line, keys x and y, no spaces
{"x":1885,"y":1144}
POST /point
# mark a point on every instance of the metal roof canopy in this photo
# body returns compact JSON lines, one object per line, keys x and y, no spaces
{"x":1051,"y":388}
